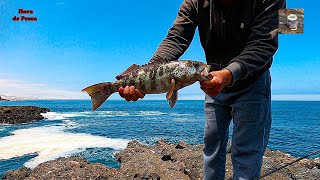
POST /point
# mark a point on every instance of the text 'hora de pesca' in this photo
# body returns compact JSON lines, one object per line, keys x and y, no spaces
{"x":24,"y":16}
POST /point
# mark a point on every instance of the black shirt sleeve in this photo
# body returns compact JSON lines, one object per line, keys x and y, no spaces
{"x":180,"y":34}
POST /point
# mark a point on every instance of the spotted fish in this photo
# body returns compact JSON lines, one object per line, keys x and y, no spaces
{"x":154,"y":78}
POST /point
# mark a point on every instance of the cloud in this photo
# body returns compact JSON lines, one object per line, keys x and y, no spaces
{"x":23,"y":89}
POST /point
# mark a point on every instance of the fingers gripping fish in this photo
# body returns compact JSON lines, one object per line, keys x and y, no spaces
{"x":153,"y":78}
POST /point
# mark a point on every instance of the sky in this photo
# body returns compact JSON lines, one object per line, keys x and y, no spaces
{"x":74,"y":44}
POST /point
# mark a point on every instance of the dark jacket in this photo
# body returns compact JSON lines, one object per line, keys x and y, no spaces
{"x":242,"y":37}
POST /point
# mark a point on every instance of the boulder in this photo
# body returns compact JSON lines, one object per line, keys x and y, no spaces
{"x":21,"y":114}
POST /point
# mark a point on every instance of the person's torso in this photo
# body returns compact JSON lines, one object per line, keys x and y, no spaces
{"x":224,"y":34}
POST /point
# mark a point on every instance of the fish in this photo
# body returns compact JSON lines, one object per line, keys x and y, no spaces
{"x":156,"y":77}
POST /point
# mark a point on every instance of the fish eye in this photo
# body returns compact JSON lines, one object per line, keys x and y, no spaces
{"x":196,"y":65}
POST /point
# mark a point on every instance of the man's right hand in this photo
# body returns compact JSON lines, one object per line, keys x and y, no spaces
{"x":130,"y":93}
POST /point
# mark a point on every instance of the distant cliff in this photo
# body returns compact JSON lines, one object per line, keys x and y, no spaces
{"x":20,"y":114}
{"x":2,"y":98}
{"x":14,"y":98}
{"x":163,"y":161}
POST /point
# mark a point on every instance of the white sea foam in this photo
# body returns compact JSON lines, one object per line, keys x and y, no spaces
{"x":110,"y":113}
{"x":60,"y":116}
{"x":177,"y":114}
{"x":121,"y":113}
{"x":150,"y":113}
{"x":64,"y":116}
{"x":50,"y":142}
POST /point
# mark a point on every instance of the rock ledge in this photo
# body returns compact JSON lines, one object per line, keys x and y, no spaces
{"x":162,"y":161}
{"x":21,"y":114}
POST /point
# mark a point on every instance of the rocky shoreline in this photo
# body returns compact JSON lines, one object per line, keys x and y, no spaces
{"x":21,"y":114}
{"x":161,"y":161}
{"x":3,"y":99}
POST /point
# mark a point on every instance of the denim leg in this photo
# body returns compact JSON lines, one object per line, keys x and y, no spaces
{"x":252,"y":122}
{"x":218,"y":117}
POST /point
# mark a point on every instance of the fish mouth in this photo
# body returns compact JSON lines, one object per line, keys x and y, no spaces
{"x":204,"y":75}
{"x":206,"y":71}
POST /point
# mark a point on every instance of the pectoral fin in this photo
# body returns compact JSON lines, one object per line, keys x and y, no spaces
{"x":173,"y":99}
{"x":170,"y":92}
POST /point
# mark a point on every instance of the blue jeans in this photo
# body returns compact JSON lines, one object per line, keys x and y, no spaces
{"x":250,"y":109}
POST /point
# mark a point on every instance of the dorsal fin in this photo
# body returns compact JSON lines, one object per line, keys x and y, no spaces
{"x":158,"y":60}
{"x":132,"y":68}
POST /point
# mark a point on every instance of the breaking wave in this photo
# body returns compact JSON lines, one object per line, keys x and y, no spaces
{"x":51,"y":142}
{"x":63,"y":116}
{"x":106,"y":113}
{"x":121,"y":113}
{"x":60,"y":116}
{"x":178,"y":114}
{"x":150,"y":113}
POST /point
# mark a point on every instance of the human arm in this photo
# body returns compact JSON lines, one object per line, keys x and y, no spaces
{"x":174,"y":45}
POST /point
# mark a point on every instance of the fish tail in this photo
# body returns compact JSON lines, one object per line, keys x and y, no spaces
{"x":99,"y":93}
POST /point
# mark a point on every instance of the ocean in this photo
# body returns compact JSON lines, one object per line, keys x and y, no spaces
{"x":73,"y":129}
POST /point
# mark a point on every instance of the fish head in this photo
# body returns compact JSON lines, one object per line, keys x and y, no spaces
{"x":196,"y":70}
{"x":204,"y":72}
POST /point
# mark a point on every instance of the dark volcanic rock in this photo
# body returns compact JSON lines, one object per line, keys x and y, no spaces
{"x":181,"y":145}
{"x":21,"y":173}
{"x":21,"y":114}
{"x":3,"y":99}
{"x":65,"y":168}
{"x":140,"y":161}
{"x":149,"y":176}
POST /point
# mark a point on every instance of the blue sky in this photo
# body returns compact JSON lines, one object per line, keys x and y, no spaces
{"x":78,"y":43}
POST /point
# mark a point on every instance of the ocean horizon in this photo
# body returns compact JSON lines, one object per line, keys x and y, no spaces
{"x":71,"y":128}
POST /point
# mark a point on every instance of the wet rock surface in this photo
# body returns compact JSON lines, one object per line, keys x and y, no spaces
{"x":64,"y":168}
{"x":140,"y":161}
{"x":20,"y":114}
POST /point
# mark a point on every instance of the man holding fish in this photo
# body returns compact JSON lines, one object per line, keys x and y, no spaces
{"x":240,"y":39}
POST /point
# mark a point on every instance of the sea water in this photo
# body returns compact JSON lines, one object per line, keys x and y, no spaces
{"x":71,"y":128}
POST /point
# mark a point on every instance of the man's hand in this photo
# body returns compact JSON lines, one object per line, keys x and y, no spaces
{"x":130,"y":93}
{"x":219,"y":80}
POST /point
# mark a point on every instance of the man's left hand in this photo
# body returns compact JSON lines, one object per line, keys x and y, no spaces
{"x":219,"y":80}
